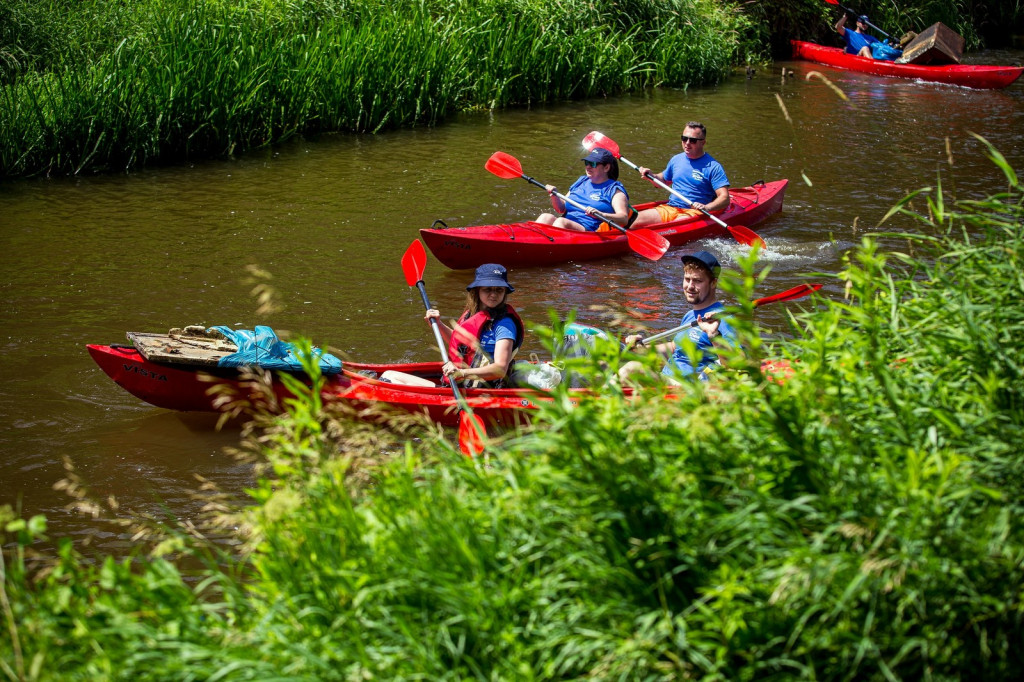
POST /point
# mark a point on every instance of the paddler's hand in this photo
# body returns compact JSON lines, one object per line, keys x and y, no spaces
{"x":550,"y":188}
{"x":709,"y":325}
{"x":634,"y":340}
{"x":450,"y":370}
{"x":432,"y":312}
{"x":644,"y":171}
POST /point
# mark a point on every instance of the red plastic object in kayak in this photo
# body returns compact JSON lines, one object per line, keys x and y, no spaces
{"x":530,"y":244}
{"x":967,"y":75}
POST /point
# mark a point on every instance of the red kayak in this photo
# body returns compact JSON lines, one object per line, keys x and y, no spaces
{"x":178,"y":373}
{"x":186,"y":387}
{"x":967,"y":75}
{"x":530,"y":243}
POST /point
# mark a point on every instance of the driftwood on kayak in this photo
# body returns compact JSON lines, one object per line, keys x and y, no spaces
{"x":937,"y":44}
{"x":192,"y":345}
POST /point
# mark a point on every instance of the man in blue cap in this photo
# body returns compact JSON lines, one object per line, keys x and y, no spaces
{"x":858,"y":41}
{"x":705,"y":333}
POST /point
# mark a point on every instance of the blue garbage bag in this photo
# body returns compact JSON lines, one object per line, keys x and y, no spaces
{"x":260,"y":347}
{"x":885,"y":51}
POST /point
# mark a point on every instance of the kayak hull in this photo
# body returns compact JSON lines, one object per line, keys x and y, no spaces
{"x":187,"y":388}
{"x":531,"y":244}
{"x":966,"y":75}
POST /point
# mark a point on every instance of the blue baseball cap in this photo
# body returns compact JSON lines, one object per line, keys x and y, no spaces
{"x":706,"y":260}
{"x":863,"y":19}
{"x":599,"y":155}
{"x":491,"y":275}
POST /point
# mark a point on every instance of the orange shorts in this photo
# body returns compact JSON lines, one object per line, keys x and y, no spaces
{"x":670,"y":213}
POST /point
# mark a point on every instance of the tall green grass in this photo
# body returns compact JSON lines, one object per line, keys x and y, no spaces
{"x":193,"y":79}
{"x":861,"y":520}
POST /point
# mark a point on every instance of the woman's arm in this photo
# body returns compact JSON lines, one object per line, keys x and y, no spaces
{"x":491,"y":371}
{"x":621,"y":206}
{"x":446,"y":331}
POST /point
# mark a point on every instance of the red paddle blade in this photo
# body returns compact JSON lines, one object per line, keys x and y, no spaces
{"x":471,"y":434}
{"x":832,"y":2}
{"x":744,"y":235}
{"x":647,"y":243}
{"x":414,"y":261}
{"x":788,"y":295}
{"x":504,"y":165}
{"x":597,"y":139}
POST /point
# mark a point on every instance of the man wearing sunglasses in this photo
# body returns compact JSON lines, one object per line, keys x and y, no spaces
{"x":696,"y":175}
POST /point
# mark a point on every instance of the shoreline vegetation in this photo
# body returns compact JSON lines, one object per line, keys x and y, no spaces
{"x":166,"y":80}
{"x":90,"y":86}
{"x":860,"y":520}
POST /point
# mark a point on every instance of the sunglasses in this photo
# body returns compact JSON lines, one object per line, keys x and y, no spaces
{"x":591,"y":164}
{"x":695,"y":140}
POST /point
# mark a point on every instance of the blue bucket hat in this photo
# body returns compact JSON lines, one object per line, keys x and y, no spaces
{"x":706,"y":259}
{"x":599,"y":155}
{"x":491,"y":275}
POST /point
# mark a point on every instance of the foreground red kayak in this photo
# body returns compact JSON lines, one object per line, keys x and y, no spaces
{"x":530,"y":243}
{"x":186,"y":387}
{"x":967,"y":75}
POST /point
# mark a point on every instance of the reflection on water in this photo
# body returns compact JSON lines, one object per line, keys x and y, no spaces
{"x":87,"y":259}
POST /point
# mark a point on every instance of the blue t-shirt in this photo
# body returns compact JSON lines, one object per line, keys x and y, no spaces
{"x":505,"y":328}
{"x":855,"y":41}
{"x":680,"y":361}
{"x":599,"y":196}
{"x":695,"y":179}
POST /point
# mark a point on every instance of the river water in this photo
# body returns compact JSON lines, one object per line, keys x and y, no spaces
{"x":85,"y":260}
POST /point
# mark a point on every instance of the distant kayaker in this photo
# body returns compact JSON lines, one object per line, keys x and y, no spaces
{"x":858,"y":41}
{"x":599,"y":190}
{"x":708,"y":336}
{"x":693,"y":173}
{"x":485,"y":338}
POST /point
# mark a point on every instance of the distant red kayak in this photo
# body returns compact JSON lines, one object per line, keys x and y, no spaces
{"x":967,"y":75}
{"x":530,"y":243}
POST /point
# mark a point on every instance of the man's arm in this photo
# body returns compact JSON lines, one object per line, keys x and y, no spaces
{"x":720,"y":201}
{"x":841,"y":25}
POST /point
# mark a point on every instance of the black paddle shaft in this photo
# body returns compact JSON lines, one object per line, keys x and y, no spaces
{"x":440,"y":344}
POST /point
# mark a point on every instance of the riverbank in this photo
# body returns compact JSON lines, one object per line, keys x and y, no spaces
{"x":172,"y":80}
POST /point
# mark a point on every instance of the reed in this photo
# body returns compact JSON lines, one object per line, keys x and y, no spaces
{"x":191,"y":79}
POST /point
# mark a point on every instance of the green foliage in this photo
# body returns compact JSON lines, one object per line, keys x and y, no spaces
{"x":109,"y":85}
{"x":859,"y":520}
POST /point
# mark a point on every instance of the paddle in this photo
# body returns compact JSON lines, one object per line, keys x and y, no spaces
{"x":741,"y":234}
{"x":787,"y":295}
{"x":647,"y":243}
{"x":471,"y":427}
{"x":847,"y":9}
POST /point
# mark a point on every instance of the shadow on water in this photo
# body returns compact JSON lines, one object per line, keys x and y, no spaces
{"x":87,"y":259}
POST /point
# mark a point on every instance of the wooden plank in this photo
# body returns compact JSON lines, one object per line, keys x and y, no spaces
{"x":937,"y":44}
{"x":181,"y":348}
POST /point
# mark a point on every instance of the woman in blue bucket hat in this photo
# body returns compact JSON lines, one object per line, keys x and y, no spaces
{"x":486,"y":337}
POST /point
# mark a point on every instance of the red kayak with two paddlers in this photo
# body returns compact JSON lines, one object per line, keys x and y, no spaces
{"x":531,"y":244}
{"x":966,"y":75}
{"x":184,"y":370}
